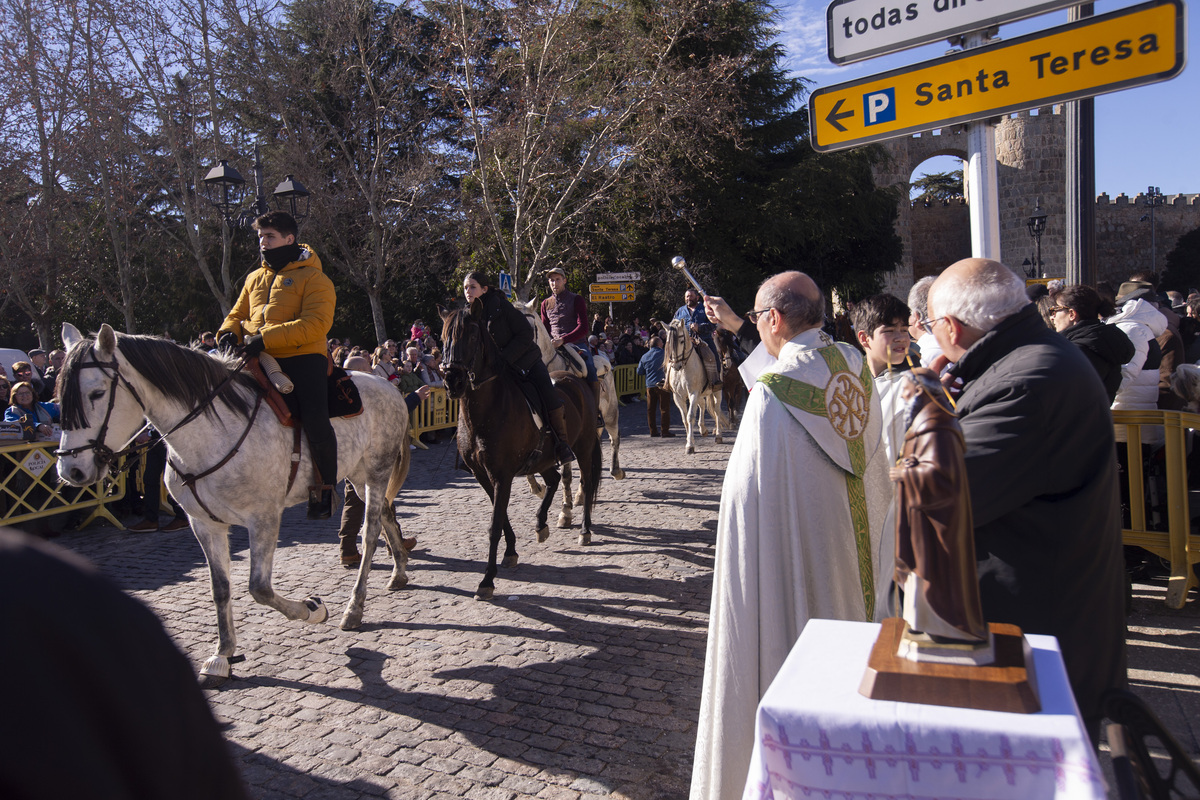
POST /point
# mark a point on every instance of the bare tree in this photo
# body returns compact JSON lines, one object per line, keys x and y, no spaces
{"x":564,"y":99}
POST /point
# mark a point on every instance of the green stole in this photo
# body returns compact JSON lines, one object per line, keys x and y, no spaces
{"x":811,"y":399}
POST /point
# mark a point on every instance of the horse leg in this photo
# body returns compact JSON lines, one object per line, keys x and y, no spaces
{"x":589,"y":480}
{"x":538,"y":490}
{"x":264,"y":536}
{"x":352,"y":616}
{"x":681,"y":403}
{"x":214,"y":541}
{"x":564,"y":517}
{"x":611,"y":414}
{"x":395,"y":540}
{"x":718,"y":416}
{"x":499,"y":492}
{"x":552,"y":479}
{"x":693,"y":411}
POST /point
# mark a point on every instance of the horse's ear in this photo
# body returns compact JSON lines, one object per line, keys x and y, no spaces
{"x":70,"y":335}
{"x":106,"y":342}
{"x":443,"y":312}
{"x":532,"y":304}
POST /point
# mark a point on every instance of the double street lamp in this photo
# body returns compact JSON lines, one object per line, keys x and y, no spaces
{"x":1154,"y":199}
{"x":1037,"y":226}
{"x":225,"y":189}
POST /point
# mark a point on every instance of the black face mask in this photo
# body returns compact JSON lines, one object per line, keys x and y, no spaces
{"x":279,"y":257}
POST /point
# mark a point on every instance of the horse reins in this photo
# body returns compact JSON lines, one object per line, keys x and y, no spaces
{"x":107,"y":456}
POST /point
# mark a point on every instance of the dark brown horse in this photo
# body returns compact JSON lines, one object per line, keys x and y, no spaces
{"x":498,"y":438}
{"x":731,"y":384}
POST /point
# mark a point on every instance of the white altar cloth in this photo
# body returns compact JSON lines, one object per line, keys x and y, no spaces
{"x":816,"y":736}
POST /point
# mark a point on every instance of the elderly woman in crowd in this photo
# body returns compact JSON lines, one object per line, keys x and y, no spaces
{"x":24,"y":404}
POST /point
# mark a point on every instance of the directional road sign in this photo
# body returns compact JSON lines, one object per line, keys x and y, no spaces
{"x":1131,"y":47}
{"x":609,"y":277}
{"x":613,"y":287}
{"x":611,"y":297}
{"x":859,"y":29}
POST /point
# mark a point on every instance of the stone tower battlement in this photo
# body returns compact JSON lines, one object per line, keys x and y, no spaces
{"x":1031,"y":167}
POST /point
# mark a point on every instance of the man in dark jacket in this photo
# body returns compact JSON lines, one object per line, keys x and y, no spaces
{"x":1042,"y":472}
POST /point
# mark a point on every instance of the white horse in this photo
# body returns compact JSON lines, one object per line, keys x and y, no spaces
{"x":559,"y":359}
{"x":688,"y":380}
{"x":229,"y":459}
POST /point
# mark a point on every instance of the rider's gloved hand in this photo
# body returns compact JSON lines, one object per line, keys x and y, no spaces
{"x":227,"y":341}
{"x":253,"y":346}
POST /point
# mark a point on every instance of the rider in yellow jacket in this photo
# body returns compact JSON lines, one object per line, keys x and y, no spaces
{"x":286,"y":310}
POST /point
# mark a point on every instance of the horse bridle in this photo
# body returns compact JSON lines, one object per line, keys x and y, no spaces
{"x":104,"y":454}
{"x":678,"y":361}
{"x":451,"y":362}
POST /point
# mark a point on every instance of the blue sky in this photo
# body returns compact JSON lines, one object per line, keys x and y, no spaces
{"x":1144,"y":136}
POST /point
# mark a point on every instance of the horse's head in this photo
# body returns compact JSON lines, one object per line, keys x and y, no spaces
{"x":464,"y":348}
{"x":101,"y":411}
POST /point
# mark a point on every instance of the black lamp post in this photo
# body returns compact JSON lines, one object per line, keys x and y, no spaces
{"x":1037,"y":226}
{"x":1154,"y":199}
{"x":225,"y":189}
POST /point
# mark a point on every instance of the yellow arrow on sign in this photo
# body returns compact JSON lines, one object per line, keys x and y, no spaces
{"x":1130,"y":47}
{"x":611,"y":297}
{"x":612,"y":287}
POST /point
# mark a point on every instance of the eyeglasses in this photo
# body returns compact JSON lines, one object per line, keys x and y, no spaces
{"x":754,"y":315}
{"x":927,"y":324}
{"x":1055,"y":309}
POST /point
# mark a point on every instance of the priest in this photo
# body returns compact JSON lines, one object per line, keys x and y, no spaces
{"x":801,"y":532}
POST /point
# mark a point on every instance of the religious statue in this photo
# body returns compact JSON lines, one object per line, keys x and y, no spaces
{"x":935,"y":538}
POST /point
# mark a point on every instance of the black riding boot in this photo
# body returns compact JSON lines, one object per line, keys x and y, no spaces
{"x":320,"y":496}
{"x":562,"y":450}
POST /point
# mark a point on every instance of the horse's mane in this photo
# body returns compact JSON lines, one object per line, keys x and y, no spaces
{"x":185,"y":375}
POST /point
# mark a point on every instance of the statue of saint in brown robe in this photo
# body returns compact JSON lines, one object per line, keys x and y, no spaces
{"x":935,"y":536}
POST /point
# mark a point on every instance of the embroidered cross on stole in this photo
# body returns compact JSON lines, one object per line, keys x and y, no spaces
{"x":845,"y":401}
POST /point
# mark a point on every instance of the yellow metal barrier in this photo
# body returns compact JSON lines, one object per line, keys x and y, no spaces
{"x":436,"y":412}
{"x":628,"y":381}
{"x":1177,"y":544}
{"x":29,"y":487}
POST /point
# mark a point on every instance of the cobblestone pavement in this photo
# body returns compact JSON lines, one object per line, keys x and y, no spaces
{"x":580,"y":680}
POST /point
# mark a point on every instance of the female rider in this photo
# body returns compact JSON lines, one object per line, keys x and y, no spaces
{"x":514,"y":339}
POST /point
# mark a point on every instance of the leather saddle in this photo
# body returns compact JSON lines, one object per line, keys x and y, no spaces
{"x":344,"y":399}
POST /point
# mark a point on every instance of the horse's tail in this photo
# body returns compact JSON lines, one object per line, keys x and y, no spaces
{"x":400,"y":468}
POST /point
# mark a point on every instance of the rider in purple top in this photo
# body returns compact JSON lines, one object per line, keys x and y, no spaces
{"x":564,"y":314}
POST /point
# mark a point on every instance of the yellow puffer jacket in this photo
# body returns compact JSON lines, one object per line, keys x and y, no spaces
{"x":291,"y":308}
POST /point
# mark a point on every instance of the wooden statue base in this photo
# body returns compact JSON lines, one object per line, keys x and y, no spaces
{"x":1007,"y":684}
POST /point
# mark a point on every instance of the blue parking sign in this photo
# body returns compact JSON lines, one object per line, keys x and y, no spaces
{"x":879,"y":106}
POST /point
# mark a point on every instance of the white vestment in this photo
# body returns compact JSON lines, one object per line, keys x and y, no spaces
{"x":786,"y":548}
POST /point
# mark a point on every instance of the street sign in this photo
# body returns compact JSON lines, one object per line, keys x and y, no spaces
{"x":859,"y":29}
{"x":613,"y":287}
{"x":609,"y":277}
{"x":1131,"y":47}
{"x":506,"y":283}
{"x":611,"y":297}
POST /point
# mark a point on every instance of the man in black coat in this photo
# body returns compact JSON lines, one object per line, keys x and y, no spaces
{"x":1042,"y":473}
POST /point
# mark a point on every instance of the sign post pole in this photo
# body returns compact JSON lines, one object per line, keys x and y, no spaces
{"x":983,"y":198}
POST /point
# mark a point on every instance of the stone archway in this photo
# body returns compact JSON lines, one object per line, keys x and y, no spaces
{"x":1031,"y":164}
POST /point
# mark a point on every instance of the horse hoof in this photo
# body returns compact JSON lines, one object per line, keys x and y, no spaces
{"x":351,"y":619}
{"x":484,"y":593}
{"x":618,"y":474}
{"x":585,"y":538}
{"x":719,"y":440}
{"x":539,"y":492}
{"x":691,"y":449}
{"x":317,"y":612}
{"x":564,"y":520}
{"x":509,"y":561}
{"x":216,"y":671}
{"x":543,"y":533}
{"x":397,"y":583}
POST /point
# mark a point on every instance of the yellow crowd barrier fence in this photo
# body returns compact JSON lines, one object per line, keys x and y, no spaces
{"x":29,"y":487}
{"x":436,"y":412}
{"x":1177,"y":544}
{"x":628,"y":381}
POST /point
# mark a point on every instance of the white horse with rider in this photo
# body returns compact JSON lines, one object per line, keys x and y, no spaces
{"x":693,"y":389}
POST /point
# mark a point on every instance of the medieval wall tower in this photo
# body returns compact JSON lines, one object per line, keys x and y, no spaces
{"x":1031,"y":166}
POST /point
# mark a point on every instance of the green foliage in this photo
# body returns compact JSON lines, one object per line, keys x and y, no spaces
{"x":938,"y":186}
{"x":1182,"y":271}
